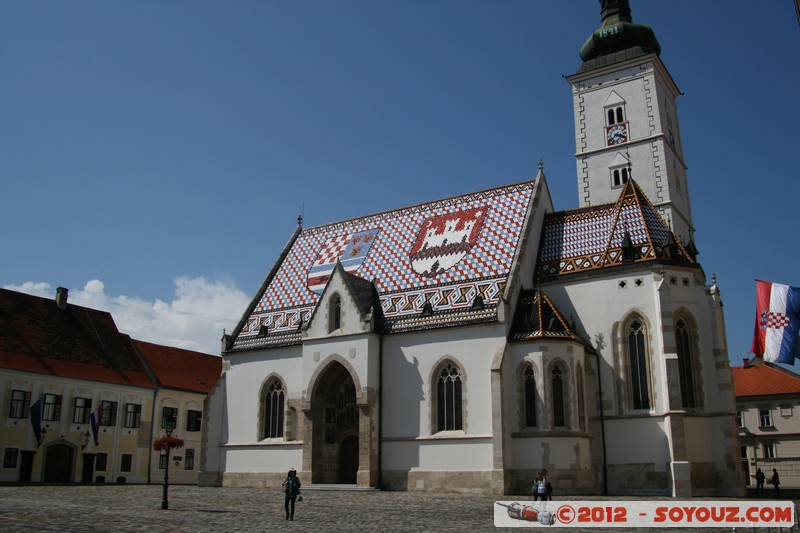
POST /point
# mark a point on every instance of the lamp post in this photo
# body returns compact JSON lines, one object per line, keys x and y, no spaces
{"x":169,"y":425}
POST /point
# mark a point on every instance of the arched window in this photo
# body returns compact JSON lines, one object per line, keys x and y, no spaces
{"x":637,"y":358}
{"x":273,"y":410}
{"x":530,"y":396}
{"x":619,"y":177}
{"x":683,"y":340}
{"x":448,"y":399}
{"x":335,"y":313}
{"x":558,"y":398}
{"x":581,"y":399}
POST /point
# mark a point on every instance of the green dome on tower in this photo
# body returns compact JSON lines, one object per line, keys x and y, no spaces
{"x":618,"y":33}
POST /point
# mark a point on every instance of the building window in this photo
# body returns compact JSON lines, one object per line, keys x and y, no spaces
{"x":101,"y":462}
{"x":530,"y":396}
{"x":167,"y":412}
{"x":20,"y":404}
{"x":10,"y":458}
{"x":619,"y":177}
{"x":764,"y":418}
{"x":81,"y":407}
{"x":769,"y":451}
{"x":52,"y":408}
{"x":188,"y":460}
{"x":162,"y":461}
{"x":125,"y":462}
{"x":108,"y":413}
{"x":133,"y":415}
{"x":449,"y":416}
{"x":739,"y":418}
{"x":559,"y":420}
{"x":637,"y":359}
{"x":335,"y":311}
{"x":193,"y":420}
{"x":273,"y":410}
{"x":615,"y":115}
{"x":581,"y":399}
{"x":684,"y":345}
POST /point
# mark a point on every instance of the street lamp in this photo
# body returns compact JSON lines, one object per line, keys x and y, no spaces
{"x":169,"y":425}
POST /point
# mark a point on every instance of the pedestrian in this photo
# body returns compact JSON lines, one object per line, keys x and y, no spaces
{"x":760,"y":477}
{"x":776,"y":480}
{"x":291,"y":489}
{"x":539,"y":488}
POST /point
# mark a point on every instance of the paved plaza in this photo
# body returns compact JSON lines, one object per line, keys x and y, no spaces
{"x":137,"y":508}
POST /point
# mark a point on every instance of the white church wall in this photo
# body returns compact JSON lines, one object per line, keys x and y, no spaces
{"x":409,"y":363}
{"x":637,"y":440}
{"x":249,"y":371}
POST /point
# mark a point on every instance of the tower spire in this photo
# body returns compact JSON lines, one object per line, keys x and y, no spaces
{"x":618,"y":33}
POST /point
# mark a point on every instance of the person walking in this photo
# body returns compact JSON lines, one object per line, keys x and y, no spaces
{"x":291,"y":489}
{"x":540,"y":486}
{"x":776,"y":480}
{"x":760,"y":477}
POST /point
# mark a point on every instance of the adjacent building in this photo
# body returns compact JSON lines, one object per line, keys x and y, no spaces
{"x":465,"y":343}
{"x":63,"y":364}
{"x":769,"y":429}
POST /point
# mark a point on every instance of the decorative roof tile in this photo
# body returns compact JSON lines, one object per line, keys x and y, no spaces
{"x":442,"y":253}
{"x":600,"y":236}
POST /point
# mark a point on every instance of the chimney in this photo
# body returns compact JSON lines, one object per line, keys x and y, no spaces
{"x":61,"y":297}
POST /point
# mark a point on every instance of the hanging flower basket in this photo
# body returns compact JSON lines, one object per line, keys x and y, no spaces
{"x":167,"y":443}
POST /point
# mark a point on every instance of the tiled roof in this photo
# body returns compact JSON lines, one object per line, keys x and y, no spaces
{"x":440,"y":254}
{"x":630,"y":230}
{"x":537,"y":317}
{"x":764,"y":379}
{"x":76,"y":342}
{"x":176,"y":368}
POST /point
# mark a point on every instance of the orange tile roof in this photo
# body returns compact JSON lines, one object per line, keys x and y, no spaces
{"x":75,"y":342}
{"x":181,"y":369}
{"x":764,"y":380}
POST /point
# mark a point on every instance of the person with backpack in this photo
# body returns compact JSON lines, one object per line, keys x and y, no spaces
{"x":291,"y":489}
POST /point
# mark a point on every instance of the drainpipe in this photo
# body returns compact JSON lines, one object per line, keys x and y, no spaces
{"x":380,"y":414}
{"x":152,"y":435}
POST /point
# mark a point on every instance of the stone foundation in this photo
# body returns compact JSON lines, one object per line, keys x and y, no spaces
{"x":479,"y":482}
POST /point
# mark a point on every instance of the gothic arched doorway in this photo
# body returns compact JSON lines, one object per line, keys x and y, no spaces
{"x":335,"y":427}
{"x":58,"y":464}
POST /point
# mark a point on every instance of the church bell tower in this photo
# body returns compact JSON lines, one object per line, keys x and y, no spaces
{"x":626,"y":119}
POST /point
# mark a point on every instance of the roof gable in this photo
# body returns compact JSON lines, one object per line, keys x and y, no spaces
{"x":537,"y":317}
{"x":442,"y":254}
{"x":630,"y":230}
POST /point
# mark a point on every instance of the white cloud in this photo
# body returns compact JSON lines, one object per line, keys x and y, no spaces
{"x":193,"y":319}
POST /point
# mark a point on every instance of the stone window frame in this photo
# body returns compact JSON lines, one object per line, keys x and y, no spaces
{"x":433,"y":380}
{"x":334,"y":312}
{"x":280,"y":410}
{"x":523,"y":394}
{"x":696,"y":370}
{"x":623,"y":366}
{"x":566,"y":389}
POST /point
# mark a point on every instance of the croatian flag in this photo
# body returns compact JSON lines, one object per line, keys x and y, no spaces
{"x":95,"y":422}
{"x":777,"y":322}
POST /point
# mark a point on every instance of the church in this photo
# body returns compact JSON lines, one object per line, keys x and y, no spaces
{"x":466,"y":343}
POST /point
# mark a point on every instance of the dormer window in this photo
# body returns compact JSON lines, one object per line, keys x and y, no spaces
{"x":335,"y":313}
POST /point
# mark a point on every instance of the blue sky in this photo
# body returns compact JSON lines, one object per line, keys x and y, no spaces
{"x":155,"y":155}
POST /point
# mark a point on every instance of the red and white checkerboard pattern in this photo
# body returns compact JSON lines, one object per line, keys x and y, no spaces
{"x":776,"y":320}
{"x":388,"y":262}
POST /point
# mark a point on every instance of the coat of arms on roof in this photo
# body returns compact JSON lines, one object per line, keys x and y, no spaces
{"x":349,"y":249}
{"x":444,"y":240}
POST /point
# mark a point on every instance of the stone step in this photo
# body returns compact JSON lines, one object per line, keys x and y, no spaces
{"x":337,"y":487}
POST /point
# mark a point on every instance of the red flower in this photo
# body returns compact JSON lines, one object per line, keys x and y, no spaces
{"x":167,"y":443}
